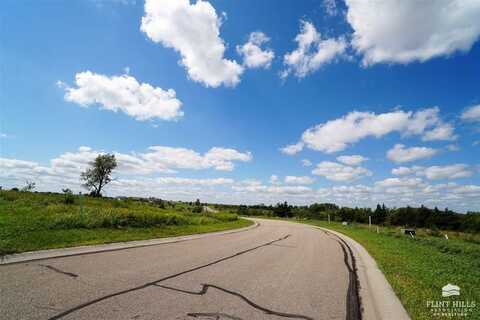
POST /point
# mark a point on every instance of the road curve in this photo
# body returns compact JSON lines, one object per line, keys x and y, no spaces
{"x":279,"y":270}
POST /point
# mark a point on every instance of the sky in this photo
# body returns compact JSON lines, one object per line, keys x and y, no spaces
{"x":346,"y":101}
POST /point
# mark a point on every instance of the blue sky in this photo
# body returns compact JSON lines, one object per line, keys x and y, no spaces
{"x":195,"y":105}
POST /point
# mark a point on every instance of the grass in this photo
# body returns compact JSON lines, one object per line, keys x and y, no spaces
{"x":417,"y":268}
{"x":34,"y":221}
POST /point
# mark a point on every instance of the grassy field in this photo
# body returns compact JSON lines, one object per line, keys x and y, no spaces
{"x":418,"y":268}
{"x":32,"y":221}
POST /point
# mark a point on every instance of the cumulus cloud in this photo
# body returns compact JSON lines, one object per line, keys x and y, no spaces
{"x":123,"y":93}
{"x":400,"y":154}
{"x":312,"y":52}
{"x":193,"y":30}
{"x":405,"y":186}
{"x":337,"y":135}
{"x":274,"y":179}
{"x":392,"y":31}
{"x":299,"y":180}
{"x":353,"y":160}
{"x":157,"y":159}
{"x":454,"y":171}
{"x":168,"y":158}
{"x":444,"y":131}
{"x":471,"y":114}
{"x":292,"y":148}
{"x":403,"y":171}
{"x":253,"y":54}
{"x":338,"y":172}
{"x":306,"y":163}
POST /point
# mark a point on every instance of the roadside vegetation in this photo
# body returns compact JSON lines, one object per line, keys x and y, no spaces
{"x":32,"y":221}
{"x":417,"y":268}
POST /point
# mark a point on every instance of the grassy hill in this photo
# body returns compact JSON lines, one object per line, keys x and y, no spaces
{"x":32,"y":221}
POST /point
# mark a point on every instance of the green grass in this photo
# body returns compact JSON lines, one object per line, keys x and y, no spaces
{"x":34,"y":221}
{"x":418,"y":268}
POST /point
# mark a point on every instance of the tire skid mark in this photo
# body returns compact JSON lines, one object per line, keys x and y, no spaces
{"x":205,"y":288}
{"x":149,"y":284}
{"x":70,"y":274}
{"x":216,"y":316}
{"x":353,"y":296}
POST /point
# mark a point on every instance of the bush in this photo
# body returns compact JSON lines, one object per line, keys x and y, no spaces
{"x":68,"y":196}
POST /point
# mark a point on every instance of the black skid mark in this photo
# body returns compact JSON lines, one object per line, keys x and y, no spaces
{"x":353,"y":296}
{"x":233,"y":293}
{"x":70,"y":274}
{"x":149,"y":284}
{"x":214,"y":315}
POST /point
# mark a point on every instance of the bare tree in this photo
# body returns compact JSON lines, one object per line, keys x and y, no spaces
{"x":29,"y":186}
{"x":99,"y":174}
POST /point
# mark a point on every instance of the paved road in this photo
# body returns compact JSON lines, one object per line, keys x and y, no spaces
{"x":279,"y":270}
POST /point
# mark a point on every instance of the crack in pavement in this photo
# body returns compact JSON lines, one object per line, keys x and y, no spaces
{"x":70,"y":274}
{"x":149,"y":284}
{"x":248,"y":301}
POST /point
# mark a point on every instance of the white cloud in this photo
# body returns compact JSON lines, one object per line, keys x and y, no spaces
{"x":353,"y":160}
{"x":306,"y":163}
{"x":392,"y":31}
{"x":292,"y":148}
{"x":191,"y":181}
{"x":471,"y":114}
{"x":274,"y":179}
{"x":261,"y":190}
{"x":336,"y":135}
{"x":312,"y":52}
{"x":253,"y":55}
{"x":404,"y":171}
{"x":299,"y":180}
{"x":157,"y":159}
{"x":443,"y":131}
{"x":454,"y":171}
{"x":193,"y":30}
{"x":338,"y":172}
{"x":164,"y":158}
{"x":400,"y":154}
{"x":123,"y":93}
{"x":399,"y":182}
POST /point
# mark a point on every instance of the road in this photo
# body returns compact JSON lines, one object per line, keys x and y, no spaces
{"x":279,"y":270}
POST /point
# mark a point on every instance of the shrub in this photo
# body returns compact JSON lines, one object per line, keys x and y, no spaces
{"x":68,"y":196}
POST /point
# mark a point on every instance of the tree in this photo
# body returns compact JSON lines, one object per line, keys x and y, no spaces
{"x":99,"y":174}
{"x":29,"y":186}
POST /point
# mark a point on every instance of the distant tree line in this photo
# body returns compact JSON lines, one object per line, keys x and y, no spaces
{"x":421,"y":217}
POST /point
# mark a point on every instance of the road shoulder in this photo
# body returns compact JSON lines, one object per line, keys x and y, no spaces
{"x":378,"y":300}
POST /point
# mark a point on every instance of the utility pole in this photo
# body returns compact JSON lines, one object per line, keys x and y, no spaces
{"x":329,"y":218}
{"x":369,"y":222}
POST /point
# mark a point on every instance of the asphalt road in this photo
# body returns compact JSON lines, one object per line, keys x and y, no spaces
{"x":279,"y":270}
